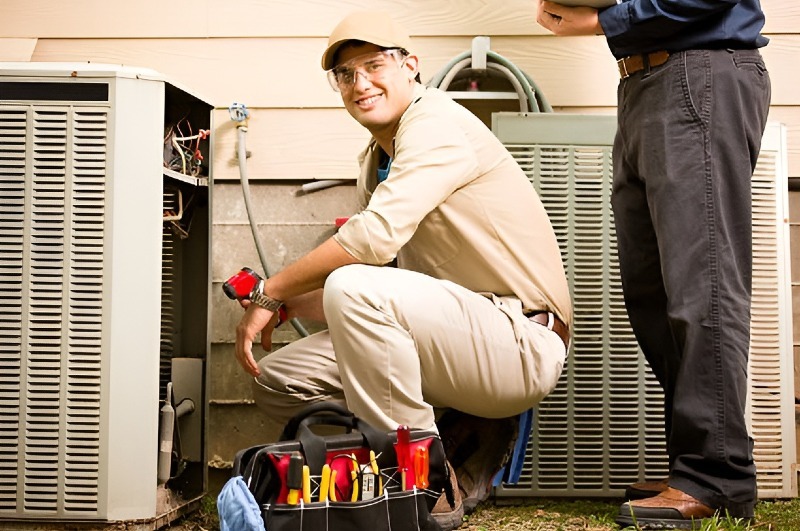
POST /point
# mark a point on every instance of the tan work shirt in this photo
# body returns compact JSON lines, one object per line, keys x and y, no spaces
{"x":456,"y":206}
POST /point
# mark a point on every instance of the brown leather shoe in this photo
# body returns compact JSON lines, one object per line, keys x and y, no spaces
{"x":646,"y":489}
{"x":672,"y":509}
{"x":449,"y":516}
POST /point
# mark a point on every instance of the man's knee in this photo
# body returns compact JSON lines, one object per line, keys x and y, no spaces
{"x":345,"y":285}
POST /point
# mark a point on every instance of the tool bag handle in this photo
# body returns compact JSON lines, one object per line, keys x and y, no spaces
{"x":330,"y":414}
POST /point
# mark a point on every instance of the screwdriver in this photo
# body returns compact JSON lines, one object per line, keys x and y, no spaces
{"x":306,"y":484}
{"x":294,"y":478}
{"x":403,"y":442}
{"x":421,"y":467}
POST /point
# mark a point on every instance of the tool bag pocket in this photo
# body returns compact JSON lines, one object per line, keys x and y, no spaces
{"x":365,"y":484}
{"x":396,"y":511}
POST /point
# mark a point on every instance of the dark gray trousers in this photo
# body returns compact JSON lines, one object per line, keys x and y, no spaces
{"x":689,"y":133}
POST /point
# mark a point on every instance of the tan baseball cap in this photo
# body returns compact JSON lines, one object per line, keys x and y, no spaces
{"x":374,"y":27}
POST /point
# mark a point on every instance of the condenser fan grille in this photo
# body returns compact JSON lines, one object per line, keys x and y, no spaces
{"x":602,"y":427}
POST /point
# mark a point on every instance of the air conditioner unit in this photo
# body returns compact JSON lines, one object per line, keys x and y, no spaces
{"x":104,"y":295}
{"x":602,"y":427}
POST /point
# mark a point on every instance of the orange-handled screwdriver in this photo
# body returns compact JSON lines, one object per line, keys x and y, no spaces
{"x":421,"y":467}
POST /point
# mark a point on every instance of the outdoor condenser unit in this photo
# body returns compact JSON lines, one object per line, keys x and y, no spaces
{"x":104,"y":295}
{"x":602,"y":427}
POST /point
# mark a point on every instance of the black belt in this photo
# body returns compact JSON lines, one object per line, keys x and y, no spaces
{"x":552,"y":322}
{"x":635,"y":63}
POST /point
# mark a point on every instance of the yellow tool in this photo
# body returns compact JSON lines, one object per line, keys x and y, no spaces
{"x":354,"y":478}
{"x":377,"y":471}
{"x":294,"y":478}
{"x":324,"y":483}
{"x":306,"y":484}
{"x":332,"y":493}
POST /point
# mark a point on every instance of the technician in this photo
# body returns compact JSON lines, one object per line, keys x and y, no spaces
{"x":475,"y":316}
{"x":692,"y":106}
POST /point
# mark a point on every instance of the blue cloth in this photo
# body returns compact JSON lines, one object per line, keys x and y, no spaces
{"x":643,"y":26}
{"x":237,"y":508}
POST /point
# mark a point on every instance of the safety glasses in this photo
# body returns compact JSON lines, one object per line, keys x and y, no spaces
{"x":372,"y":67}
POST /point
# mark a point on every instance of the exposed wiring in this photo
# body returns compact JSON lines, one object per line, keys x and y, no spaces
{"x":184,"y":156}
{"x":240,"y":114}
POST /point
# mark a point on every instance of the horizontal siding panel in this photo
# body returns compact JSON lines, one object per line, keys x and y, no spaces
{"x":287,"y":18}
{"x":304,"y":144}
{"x":311,"y":144}
{"x":284,"y":72}
{"x":16,"y":49}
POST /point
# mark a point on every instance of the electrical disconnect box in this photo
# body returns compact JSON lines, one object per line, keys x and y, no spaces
{"x":104,"y":295}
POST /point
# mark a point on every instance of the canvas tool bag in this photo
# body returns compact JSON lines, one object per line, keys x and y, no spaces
{"x":380,"y":501}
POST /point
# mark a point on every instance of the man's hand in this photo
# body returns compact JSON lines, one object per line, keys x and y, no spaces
{"x":256,"y":319}
{"x":568,"y":21}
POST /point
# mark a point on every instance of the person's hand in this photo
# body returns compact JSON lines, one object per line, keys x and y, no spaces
{"x":568,"y":21}
{"x":255,"y":319}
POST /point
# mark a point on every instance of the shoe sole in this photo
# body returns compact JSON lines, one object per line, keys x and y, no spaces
{"x":669,"y":523}
{"x":659,"y":523}
{"x":451,"y":520}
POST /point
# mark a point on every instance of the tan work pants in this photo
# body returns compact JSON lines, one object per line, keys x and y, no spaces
{"x":400,"y":343}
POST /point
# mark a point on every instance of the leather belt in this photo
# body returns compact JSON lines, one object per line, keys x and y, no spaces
{"x":635,"y":63}
{"x":552,"y":322}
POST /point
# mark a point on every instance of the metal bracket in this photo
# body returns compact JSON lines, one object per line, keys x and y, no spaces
{"x":480,"y":49}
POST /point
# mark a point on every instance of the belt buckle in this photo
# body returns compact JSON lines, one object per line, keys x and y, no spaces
{"x":623,"y":68}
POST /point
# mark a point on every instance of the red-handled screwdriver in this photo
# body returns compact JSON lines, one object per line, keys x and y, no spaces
{"x":402,"y":449}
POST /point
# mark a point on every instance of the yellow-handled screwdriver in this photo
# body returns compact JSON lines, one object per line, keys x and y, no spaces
{"x":306,"y":484}
{"x":294,"y":478}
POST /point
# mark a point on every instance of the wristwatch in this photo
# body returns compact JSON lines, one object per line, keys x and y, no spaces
{"x":257,"y":296}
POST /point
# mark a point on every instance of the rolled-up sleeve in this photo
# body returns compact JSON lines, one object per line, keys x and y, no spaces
{"x":432,"y":160}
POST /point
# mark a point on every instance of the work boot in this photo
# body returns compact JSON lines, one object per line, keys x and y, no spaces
{"x":672,"y":509}
{"x":449,"y":516}
{"x":646,"y":489}
{"x":477,"y":448}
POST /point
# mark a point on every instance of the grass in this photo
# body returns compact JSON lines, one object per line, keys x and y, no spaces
{"x":557,"y":515}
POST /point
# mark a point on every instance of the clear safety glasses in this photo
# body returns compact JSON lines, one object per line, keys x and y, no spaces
{"x":372,"y":67}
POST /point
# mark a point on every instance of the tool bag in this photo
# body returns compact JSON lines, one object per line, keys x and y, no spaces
{"x":370,"y":481}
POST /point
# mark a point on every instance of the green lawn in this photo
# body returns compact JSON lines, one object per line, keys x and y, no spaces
{"x":555,"y":515}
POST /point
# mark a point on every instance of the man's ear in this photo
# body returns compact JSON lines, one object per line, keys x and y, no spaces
{"x":411,"y":66}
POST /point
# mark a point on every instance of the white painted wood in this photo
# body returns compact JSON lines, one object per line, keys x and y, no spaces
{"x":16,"y":49}
{"x":288,"y":18}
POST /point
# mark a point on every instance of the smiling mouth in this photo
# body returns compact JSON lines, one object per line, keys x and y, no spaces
{"x":363,"y":102}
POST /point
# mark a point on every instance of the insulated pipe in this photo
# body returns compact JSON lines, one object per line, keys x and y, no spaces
{"x":531,"y":90}
{"x":520,"y":90}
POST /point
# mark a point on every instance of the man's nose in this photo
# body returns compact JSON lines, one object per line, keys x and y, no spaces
{"x":361,"y":75}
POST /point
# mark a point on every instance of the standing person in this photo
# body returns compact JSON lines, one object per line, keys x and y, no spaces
{"x":475,"y":317}
{"x":692,"y":107}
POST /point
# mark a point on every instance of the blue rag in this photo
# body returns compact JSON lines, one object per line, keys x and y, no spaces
{"x":237,"y":508}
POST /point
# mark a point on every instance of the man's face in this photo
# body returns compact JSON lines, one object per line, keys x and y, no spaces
{"x":382,"y":84}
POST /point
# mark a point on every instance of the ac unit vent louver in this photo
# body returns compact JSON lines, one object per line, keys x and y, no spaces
{"x":53,"y":173}
{"x":602,"y":427}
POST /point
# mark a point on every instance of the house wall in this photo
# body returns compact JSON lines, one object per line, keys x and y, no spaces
{"x":265,"y":54}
